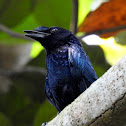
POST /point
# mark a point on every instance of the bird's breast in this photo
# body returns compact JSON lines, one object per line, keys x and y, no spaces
{"x":57,"y":62}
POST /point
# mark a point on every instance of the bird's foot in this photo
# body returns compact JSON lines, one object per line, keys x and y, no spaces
{"x":44,"y":124}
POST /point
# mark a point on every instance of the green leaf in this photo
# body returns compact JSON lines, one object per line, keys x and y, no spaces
{"x":27,"y":23}
{"x":13,"y":11}
{"x":10,"y":40}
{"x":112,"y":50}
{"x":36,"y":49}
{"x":83,"y":9}
{"x":2,"y":2}
{"x":45,"y":113}
{"x":14,"y":100}
{"x":121,"y":38}
{"x":54,"y":13}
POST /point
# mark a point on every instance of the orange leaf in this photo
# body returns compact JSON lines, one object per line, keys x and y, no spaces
{"x":109,"y":15}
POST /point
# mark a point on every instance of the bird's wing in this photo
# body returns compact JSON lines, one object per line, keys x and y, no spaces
{"x":81,"y":67}
{"x":51,"y":96}
{"x":48,"y":92}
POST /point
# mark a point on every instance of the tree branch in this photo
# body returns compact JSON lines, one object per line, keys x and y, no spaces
{"x":103,"y":103}
{"x":13,"y":34}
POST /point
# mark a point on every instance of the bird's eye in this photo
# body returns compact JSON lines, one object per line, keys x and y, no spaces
{"x":54,"y":30}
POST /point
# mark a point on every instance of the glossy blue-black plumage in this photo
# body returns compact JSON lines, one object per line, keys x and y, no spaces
{"x":69,"y":73}
{"x":69,"y":70}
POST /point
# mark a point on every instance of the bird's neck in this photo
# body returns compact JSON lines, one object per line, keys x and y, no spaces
{"x":73,"y":40}
{"x":57,"y":49}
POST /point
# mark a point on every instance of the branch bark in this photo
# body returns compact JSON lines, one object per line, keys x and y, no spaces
{"x":102,"y":104}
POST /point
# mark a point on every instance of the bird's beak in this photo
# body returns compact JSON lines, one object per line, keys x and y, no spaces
{"x":36,"y":34}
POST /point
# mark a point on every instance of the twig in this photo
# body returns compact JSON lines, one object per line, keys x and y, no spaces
{"x":13,"y":34}
{"x":104,"y":31}
{"x":74,"y":17}
{"x":26,"y":69}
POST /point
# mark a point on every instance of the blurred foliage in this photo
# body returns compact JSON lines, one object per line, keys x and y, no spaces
{"x":24,"y":104}
{"x":120,"y":38}
{"x":39,"y":60}
{"x":45,"y":112}
{"x":108,"y":23}
{"x":98,"y":60}
{"x":83,"y":9}
{"x":112,"y":17}
{"x":36,"y":49}
{"x":24,"y":97}
{"x":53,"y":13}
{"x":30,"y":14}
{"x":4,"y":121}
{"x":113,"y":50}
{"x":13,"y":12}
{"x":11,"y":41}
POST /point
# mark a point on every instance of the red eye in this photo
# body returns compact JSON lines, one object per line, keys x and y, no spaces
{"x":54,"y":30}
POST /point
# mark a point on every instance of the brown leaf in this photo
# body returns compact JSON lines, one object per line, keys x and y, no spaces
{"x":109,"y":15}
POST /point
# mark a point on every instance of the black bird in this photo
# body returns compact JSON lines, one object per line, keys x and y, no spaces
{"x":69,"y":70}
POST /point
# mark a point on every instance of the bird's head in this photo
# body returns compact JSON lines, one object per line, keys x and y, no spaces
{"x":49,"y":37}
